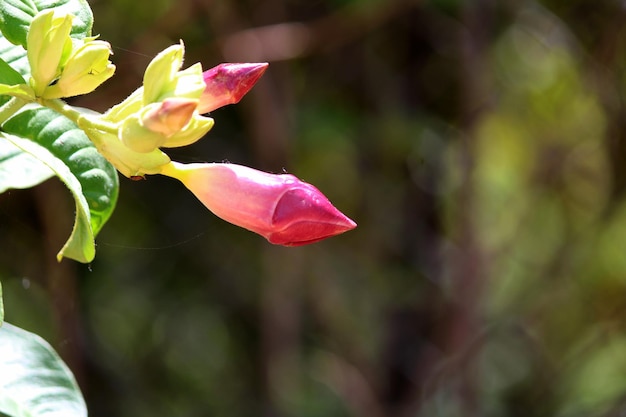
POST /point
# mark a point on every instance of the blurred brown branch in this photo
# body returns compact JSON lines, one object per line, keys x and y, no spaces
{"x":289,"y":40}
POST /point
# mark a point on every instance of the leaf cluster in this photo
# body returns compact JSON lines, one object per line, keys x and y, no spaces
{"x":37,"y":143}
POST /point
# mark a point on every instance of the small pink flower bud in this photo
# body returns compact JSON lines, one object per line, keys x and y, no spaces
{"x":280,"y":207}
{"x":170,"y":116}
{"x":228,"y":83}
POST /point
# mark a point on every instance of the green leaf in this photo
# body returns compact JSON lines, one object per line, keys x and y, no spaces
{"x":15,"y":57}
{"x":19,"y":169}
{"x":16,"y":16}
{"x":80,"y":245}
{"x":12,"y":83}
{"x":57,"y":143}
{"x":34,"y":381}
{"x":8,"y":75}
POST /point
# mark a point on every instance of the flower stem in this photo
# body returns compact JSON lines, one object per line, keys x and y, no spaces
{"x":172,"y":169}
{"x":10,"y":108}
{"x":81,"y":118}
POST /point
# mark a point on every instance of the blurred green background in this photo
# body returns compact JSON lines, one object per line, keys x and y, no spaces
{"x":480,"y":146}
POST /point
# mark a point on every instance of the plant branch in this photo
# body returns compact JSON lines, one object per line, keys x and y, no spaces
{"x":10,"y":108}
{"x":81,"y":119}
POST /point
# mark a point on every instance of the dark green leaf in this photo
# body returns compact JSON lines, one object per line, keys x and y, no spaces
{"x":34,"y":381}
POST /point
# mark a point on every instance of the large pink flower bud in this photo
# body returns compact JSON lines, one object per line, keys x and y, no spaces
{"x":228,"y":83}
{"x":279,"y":207}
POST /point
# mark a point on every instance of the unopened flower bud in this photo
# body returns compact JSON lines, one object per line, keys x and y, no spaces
{"x":170,"y":123}
{"x":137,"y":137}
{"x":228,"y":83}
{"x":170,"y":116}
{"x":162,"y":78}
{"x":127,"y":161}
{"x":197,"y":127}
{"x":48,"y":42}
{"x":86,"y":68}
{"x":279,"y":207}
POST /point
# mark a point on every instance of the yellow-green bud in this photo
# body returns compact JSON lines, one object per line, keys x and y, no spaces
{"x":161,"y":113}
{"x":132,"y":104}
{"x":138,"y":137}
{"x":170,"y":123}
{"x":163,"y":79}
{"x":197,"y":127}
{"x":125,"y":160}
{"x":86,"y":68}
{"x":48,"y":44}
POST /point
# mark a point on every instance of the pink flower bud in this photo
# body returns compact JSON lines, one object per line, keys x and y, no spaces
{"x":279,"y":207}
{"x":169,"y":116}
{"x":228,"y":83}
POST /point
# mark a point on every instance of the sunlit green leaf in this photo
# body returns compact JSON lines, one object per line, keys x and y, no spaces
{"x":14,"y":67}
{"x":19,"y":169}
{"x":8,"y":75}
{"x":34,"y":381}
{"x":80,"y":245}
{"x":61,"y":146}
{"x":16,"y":16}
{"x":15,"y":57}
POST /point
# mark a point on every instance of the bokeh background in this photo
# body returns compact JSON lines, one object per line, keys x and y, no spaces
{"x":480,"y":146}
